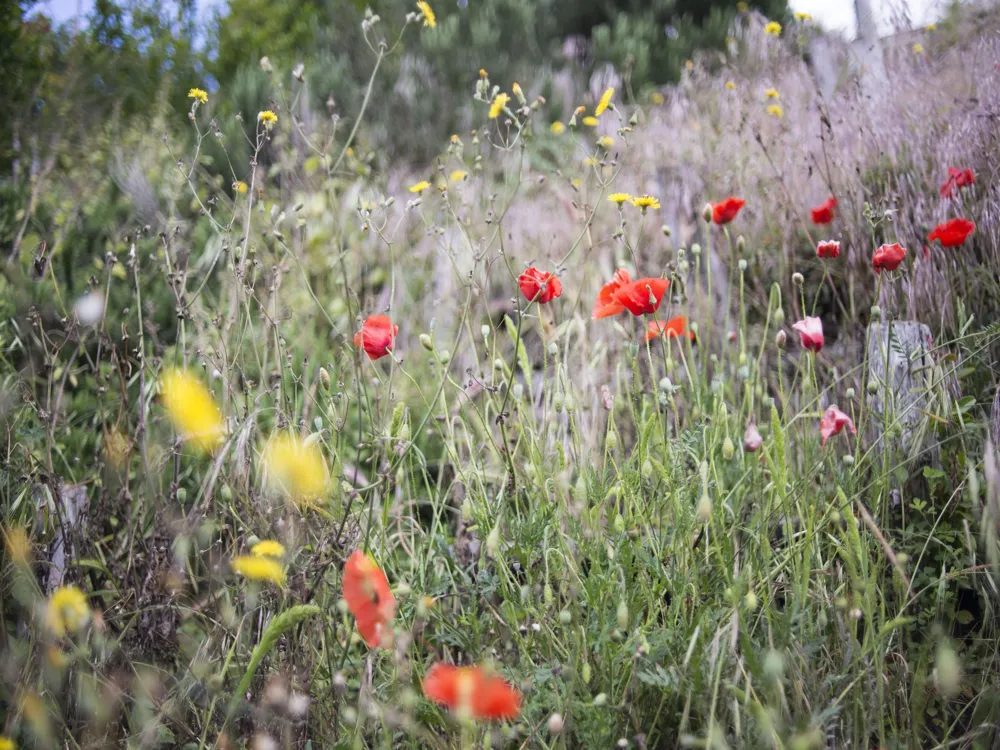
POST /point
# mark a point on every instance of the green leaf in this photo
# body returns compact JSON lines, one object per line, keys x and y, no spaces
{"x":932,"y":473}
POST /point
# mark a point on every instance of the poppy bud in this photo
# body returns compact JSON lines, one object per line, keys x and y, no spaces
{"x":486,"y":332}
{"x":696,"y":249}
{"x":647,"y":469}
{"x":706,"y":212}
{"x":585,"y":673}
{"x":555,"y":724}
{"x":780,"y":338}
{"x":600,"y":699}
{"x":822,"y":620}
{"x":622,"y":615}
{"x":517,"y":391}
{"x":634,"y":119}
{"x":425,"y":341}
{"x":798,"y":279}
{"x":182,"y":494}
{"x":493,"y":541}
{"x":525,"y":594}
{"x":466,"y":510}
{"x":741,"y":244}
{"x":547,"y":593}
{"x":872,"y":387}
{"x":565,"y":618}
{"x":226,"y":492}
{"x":774,"y":664}
{"x":666,"y":230}
{"x":553,"y":349}
{"x":444,"y":356}
{"x":750,"y":600}
{"x":743,"y":265}
{"x":611,"y":441}
{"x":848,"y":459}
{"x":704,"y":510}
{"x":778,"y":317}
{"x":324,"y":379}
{"x":948,"y":671}
{"x":850,"y":393}
{"x":876,"y":313}
{"x":728,"y":449}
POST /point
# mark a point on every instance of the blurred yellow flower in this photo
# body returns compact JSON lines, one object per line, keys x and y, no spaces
{"x":66,"y":611}
{"x":6,"y":743}
{"x":606,"y":142}
{"x":259,"y":568}
{"x":296,"y":468}
{"x":579,"y":111}
{"x":199,"y":95}
{"x":657,"y":98}
{"x":499,"y":102}
{"x":457,"y":175}
{"x":192,"y":409}
{"x":455,"y":140}
{"x":918,"y":48}
{"x":240,"y":187}
{"x":773,"y":29}
{"x":804,"y":17}
{"x":590,"y":121}
{"x":772,"y":94}
{"x":645,"y":201}
{"x":419,"y":187}
{"x":689,"y":64}
{"x":931,"y":27}
{"x":590,"y":161}
{"x":557,"y":128}
{"x":267,"y":118}
{"x":742,"y":7}
{"x":775,"y":110}
{"x":730,"y":85}
{"x":619,"y":198}
{"x":427,"y":13}
{"x":56,"y":659}
{"x":268,"y":548}
{"x":605,"y":101}
{"x":18,"y":544}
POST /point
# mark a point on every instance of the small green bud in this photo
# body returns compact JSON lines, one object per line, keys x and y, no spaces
{"x":778,"y":316}
{"x":798,"y":279}
{"x":425,"y":341}
{"x":226,"y":492}
{"x":774,"y":664}
{"x":553,"y":349}
{"x":706,"y":212}
{"x":666,"y":230}
{"x":704,"y":510}
{"x":750,"y":600}
{"x":324,"y":379}
{"x":741,"y":244}
{"x":565,"y":618}
{"x":525,"y":594}
{"x":948,"y":671}
{"x":822,"y":620}
{"x":600,"y":699}
{"x":876,"y":313}
{"x":695,"y":249}
{"x":585,"y":673}
{"x":444,"y":356}
{"x":619,"y":523}
{"x":728,"y":449}
{"x":850,"y":393}
{"x":742,"y":265}
{"x":622,"y":615}
{"x":493,"y":541}
{"x":848,"y":459}
{"x":547,"y":594}
{"x":872,"y":387}
{"x":485,"y":331}
{"x":780,"y":339}
{"x":182,"y":494}
{"x":557,"y":403}
{"x":611,"y":441}
{"x":647,"y":469}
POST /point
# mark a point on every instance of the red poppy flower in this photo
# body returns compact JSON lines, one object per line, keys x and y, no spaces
{"x":957,"y":179}
{"x":605,"y":305}
{"x":672,"y":329}
{"x":828,"y":249}
{"x":811,"y":333}
{"x":376,"y":336}
{"x":823,"y":213}
{"x":725,"y":212}
{"x":539,"y":286}
{"x":888,"y":257}
{"x":368,"y":597}
{"x":642,"y":296}
{"x":470,"y":690}
{"x":833,"y":422}
{"x":953,"y":232}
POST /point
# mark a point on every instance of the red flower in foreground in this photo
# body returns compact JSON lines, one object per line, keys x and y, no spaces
{"x":725,"y":211}
{"x":957,"y":179}
{"x":470,"y":690}
{"x":368,"y":597}
{"x":828,"y":249}
{"x":811,"y":333}
{"x":642,"y":296}
{"x":605,"y":305}
{"x":823,"y":213}
{"x":833,"y":422}
{"x":539,"y":286}
{"x":376,"y":336}
{"x":672,"y":329}
{"x":888,"y":257}
{"x":953,"y":232}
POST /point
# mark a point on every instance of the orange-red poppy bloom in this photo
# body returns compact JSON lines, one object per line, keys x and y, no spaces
{"x":725,"y":211}
{"x":953,"y":232}
{"x":473,"y":692}
{"x":823,"y":213}
{"x":828,"y":249}
{"x":810,"y":333}
{"x":539,"y":286}
{"x":369,"y":598}
{"x":605,"y":305}
{"x":672,"y":329}
{"x":376,"y":336}
{"x":888,"y":257}
{"x":642,"y":296}
{"x":957,"y":179}
{"x":833,"y":422}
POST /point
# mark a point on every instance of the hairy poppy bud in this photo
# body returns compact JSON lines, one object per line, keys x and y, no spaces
{"x":706,"y":212}
{"x":324,"y":379}
{"x":493,"y":541}
{"x":743,"y":265}
{"x":611,"y":441}
{"x":780,"y":338}
{"x":798,"y":279}
{"x":741,"y":244}
{"x":555,"y":724}
{"x":948,"y":670}
{"x":872,"y":387}
{"x":704,"y":510}
{"x":666,"y":230}
{"x":850,"y":393}
{"x":622,"y":615}
{"x":565,"y":618}
{"x":876,"y":313}
{"x":728,"y":449}
{"x":750,"y":600}
{"x":848,"y":459}
{"x":425,"y":341}
{"x":778,"y":317}
{"x":486,"y":332}
{"x":696,"y":249}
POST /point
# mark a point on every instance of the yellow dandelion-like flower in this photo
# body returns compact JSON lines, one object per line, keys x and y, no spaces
{"x":6,"y":743}
{"x":557,"y":128}
{"x":56,"y":659}
{"x":619,"y":198}
{"x":606,"y":142}
{"x":455,"y":140}
{"x":430,"y":20}
{"x":918,"y":48}
{"x":259,"y":568}
{"x":605,"y":101}
{"x":644,"y":202}
{"x":240,"y":187}
{"x":457,"y":175}
{"x":267,"y":118}
{"x":192,"y":409}
{"x":268,"y":548}
{"x":730,"y":85}
{"x":67,"y":610}
{"x":482,"y":73}
{"x":931,"y":27}
{"x":199,"y":95}
{"x":657,"y":98}
{"x":775,"y":110}
{"x":742,"y":7}
{"x":18,"y":544}
{"x":771,"y":94}
{"x":499,"y":102}
{"x":419,"y":187}
{"x":296,"y":468}
{"x":575,"y":182}
{"x":804,"y":17}
{"x":773,"y":29}
{"x":590,"y":161}
{"x":590,"y":121}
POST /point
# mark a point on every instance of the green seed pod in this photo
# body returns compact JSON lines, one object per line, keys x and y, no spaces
{"x":585,"y":673}
{"x":622,"y":615}
{"x":728,"y":449}
{"x":876,"y":313}
{"x":226,"y":492}
{"x":872,"y":387}
{"x":486,"y":331}
{"x":425,"y":341}
{"x":611,"y":440}
{"x":798,"y":279}
{"x":778,"y":316}
{"x":848,"y":459}
{"x":182,"y":494}
{"x":565,"y":618}
{"x":742,"y":265}
{"x":553,"y":349}
{"x":850,"y":393}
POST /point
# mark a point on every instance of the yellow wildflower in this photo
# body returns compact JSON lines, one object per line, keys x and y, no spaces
{"x":18,"y":544}
{"x":689,"y":64}
{"x":67,"y":610}
{"x":516,"y":88}
{"x":482,"y":72}
{"x":268,"y":548}
{"x":773,"y":29}
{"x":606,"y":142}
{"x":259,"y":568}
{"x":771,"y":94}
{"x":499,"y":102}
{"x":931,"y":27}
{"x":644,"y":202}
{"x":804,"y":17}
{"x":240,"y":187}
{"x":296,"y":467}
{"x":6,"y":743}
{"x":775,"y":110}
{"x":419,"y":187}
{"x":199,"y":95}
{"x":590,"y":161}
{"x":557,"y":128}
{"x":619,"y":198}
{"x":457,"y":175}
{"x":579,"y":111}
{"x":267,"y":118}
{"x":742,"y":7}
{"x":192,"y":409}
{"x":605,"y":102}
{"x":427,"y":13}
{"x":590,"y":121}
{"x":730,"y":85}
{"x":56,"y":659}
{"x":455,"y":140}
{"x":918,"y":48}
{"x":657,"y":98}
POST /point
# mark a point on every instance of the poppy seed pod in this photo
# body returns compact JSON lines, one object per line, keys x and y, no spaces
{"x":778,"y":317}
{"x":798,"y":279}
{"x":425,"y":341}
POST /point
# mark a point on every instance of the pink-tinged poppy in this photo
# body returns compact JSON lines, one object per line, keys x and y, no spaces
{"x":725,"y":211}
{"x":833,"y":422}
{"x":672,"y":329}
{"x":810,"y":333}
{"x":823,"y":213}
{"x":369,"y":598}
{"x":953,"y":232}
{"x":888,"y":257}
{"x":828,"y":249}
{"x":605,"y":305}
{"x":752,"y":439}
{"x":472,"y":692}
{"x":642,"y":296}
{"x":376,"y":336}
{"x":539,"y":286}
{"x":957,"y":179}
